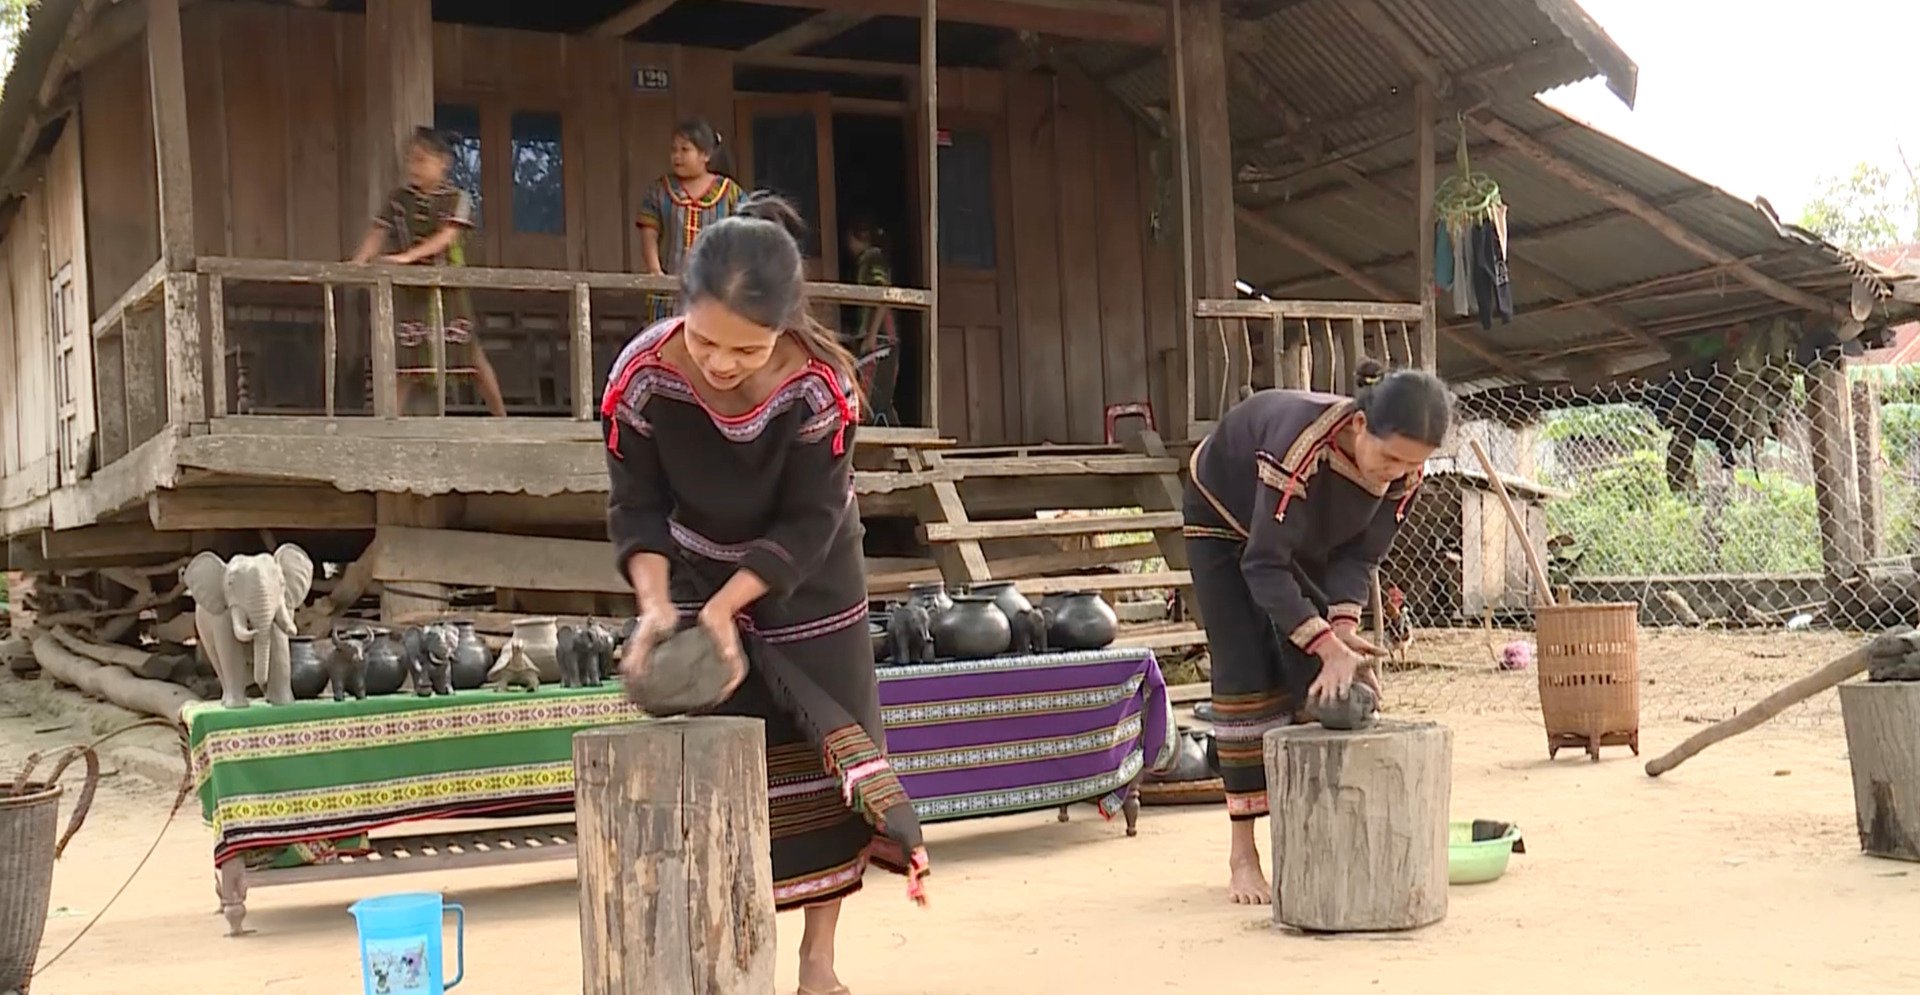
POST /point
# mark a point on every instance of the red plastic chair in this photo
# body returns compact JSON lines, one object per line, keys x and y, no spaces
{"x":1139,"y":409}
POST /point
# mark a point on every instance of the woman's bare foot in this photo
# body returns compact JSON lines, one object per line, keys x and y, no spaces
{"x":817,"y":976}
{"x":1248,"y":885}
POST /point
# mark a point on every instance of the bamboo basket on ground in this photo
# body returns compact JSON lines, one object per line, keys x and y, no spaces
{"x":1589,"y":667}
{"x":30,"y":841}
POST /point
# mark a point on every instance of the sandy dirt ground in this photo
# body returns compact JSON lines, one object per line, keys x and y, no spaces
{"x":1738,"y":872}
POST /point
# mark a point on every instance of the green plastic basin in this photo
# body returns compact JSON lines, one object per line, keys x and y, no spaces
{"x":1471,"y":861}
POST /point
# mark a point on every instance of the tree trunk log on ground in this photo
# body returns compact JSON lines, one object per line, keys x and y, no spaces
{"x":113,"y":684}
{"x":1359,"y":825}
{"x":676,"y":879}
{"x":138,"y":662}
{"x":1883,"y":748}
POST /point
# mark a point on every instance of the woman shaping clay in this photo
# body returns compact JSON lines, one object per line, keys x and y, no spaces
{"x":730,"y":450}
{"x":1290,"y":504}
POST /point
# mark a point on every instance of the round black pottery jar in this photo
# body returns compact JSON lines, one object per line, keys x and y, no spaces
{"x":1082,"y":620}
{"x":304,"y":669}
{"x":386,"y":671}
{"x":1005,"y":595}
{"x":974,"y":627}
{"x":930,"y":595}
{"x":471,"y":661}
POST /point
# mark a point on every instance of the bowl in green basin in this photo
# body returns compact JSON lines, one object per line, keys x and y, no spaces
{"x":1471,"y":861}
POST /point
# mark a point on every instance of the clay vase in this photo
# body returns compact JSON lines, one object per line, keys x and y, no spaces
{"x":386,"y":665}
{"x":877,"y":631}
{"x":974,"y":627}
{"x":471,"y":661}
{"x":932,"y":596}
{"x":541,"y":639}
{"x":304,"y":669}
{"x":1006,"y":597}
{"x":1082,"y":620}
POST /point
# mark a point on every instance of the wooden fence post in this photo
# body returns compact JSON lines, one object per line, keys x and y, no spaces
{"x":676,"y":874}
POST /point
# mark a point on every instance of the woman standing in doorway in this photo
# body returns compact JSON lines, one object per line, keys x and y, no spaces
{"x":730,"y":451}
{"x":875,"y":341}
{"x":1290,"y":504}
{"x":695,"y":194}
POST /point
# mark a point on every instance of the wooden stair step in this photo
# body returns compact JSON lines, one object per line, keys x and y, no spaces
{"x":1176,"y":639}
{"x":1061,"y":466}
{"x":1062,"y":526}
{"x":1105,"y":582}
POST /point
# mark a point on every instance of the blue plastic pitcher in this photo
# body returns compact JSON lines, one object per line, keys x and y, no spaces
{"x":400,"y":948}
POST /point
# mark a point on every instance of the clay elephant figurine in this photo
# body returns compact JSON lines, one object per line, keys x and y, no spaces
{"x":909,"y":629}
{"x":600,"y":649}
{"x":347,"y":664}
{"x":430,"y":659}
{"x":570,"y":646}
{"x":243,"y":613}
{"x":1030,"y":630}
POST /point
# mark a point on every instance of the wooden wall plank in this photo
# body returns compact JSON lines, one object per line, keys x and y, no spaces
{"x":356,"y":200}
{"x":537,"y":68}
{"x":255,"y":78}
{"x":647,"y":122}
{"x":1036,"y":250}
{"x":483,"y":60}
{"x":206,"y":124}
{"x":1159,"y":237}
{"x":116,"y":146}
{"x":9,"y":367}
{"x":1077,"y":109}
{"x":1123,"y":337}
{"x":702,"y":87}
{"x":448,"y":47}
{"x":313,"y":111}
{"x":67,"y":247}
{"x":595,"y":64}
{"x":32,"y":344}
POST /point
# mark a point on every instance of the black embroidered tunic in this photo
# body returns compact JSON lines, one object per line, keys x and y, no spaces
{"x":771,"y":491}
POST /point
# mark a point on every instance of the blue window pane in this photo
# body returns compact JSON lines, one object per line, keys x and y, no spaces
{"x":461,"y":124}
{"x":539,"y":197}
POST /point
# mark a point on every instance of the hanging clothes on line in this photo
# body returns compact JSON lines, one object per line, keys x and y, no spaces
{"x":1470,"y":242}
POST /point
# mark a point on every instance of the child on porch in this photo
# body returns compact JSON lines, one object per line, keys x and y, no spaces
{"x":875,"y":341}
{"x":694,"y":195}
{"x":423,"y":223}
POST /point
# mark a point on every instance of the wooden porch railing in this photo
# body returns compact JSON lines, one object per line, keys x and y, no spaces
{"x":382,"y":279}
{"x":1318,"y":345}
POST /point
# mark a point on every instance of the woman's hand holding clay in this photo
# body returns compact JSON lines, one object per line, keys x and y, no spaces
{"x":1338,"y":666}
{"x":658,"y":620}
{"x":1348,"y":632}
{"x":719,"y":622}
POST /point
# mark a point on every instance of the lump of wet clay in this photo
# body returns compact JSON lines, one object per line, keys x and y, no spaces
{"x":1355,"y":711}
{"x":683,"y":674}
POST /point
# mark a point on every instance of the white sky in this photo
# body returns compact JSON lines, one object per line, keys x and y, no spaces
{"x":1762,"y":97}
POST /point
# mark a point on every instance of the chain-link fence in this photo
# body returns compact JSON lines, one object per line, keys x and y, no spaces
{"x":1762,"y":514}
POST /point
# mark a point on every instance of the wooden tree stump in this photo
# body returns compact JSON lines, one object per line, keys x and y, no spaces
{"x":1359,"y":825}
{"x":1883,"y":747}
{"x":676,"y":875}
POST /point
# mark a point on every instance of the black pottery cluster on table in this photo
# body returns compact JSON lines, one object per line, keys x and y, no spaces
{"x":987,"y":620}
{"x":440,"y":658}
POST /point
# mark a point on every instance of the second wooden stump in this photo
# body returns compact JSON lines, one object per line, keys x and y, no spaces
{"x":1359,"y":825}
{"x":676,"y":873}
{"x":1883,"y":748}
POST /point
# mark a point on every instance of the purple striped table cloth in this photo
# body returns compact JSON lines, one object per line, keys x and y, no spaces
{"x":973,"y":738}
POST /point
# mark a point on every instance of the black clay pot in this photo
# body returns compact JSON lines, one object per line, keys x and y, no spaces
{"x":386,"y":670}
{"x":1082,"y":620}
{"x":471,"y":661}
{"x":304,"y":669}
{"x":1006,"y":597}
{"x":931,"y":596}
{"x":974,"y":627}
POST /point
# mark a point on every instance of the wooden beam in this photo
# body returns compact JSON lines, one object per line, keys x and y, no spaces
{"x":167,"y":92}
{"x":1061,"y":526}
{"x":1183,"y":155}
{"x":1606,"y":191}
{"x":241,"y":506}
{"x":111,"y":542}
{"x":1427,"y":350}
{"x":1090,"y":20}
{"x":399,"y":69}
{"x":186,"y":374}
{"x":489,"y":559}
{"x":1411,"y":54}
{"x":821,"y":27}
{"x":929,"y":89}
{"x":631,"y":19}
{"x":1216,"y":271}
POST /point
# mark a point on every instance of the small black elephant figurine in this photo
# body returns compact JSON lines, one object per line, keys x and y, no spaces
{"x":596,"y":644}
{"x":909,"y":630}
{"x":569,"y":651}
{"x":347,"y":664}
{"x":432,"y":665}
{"x":1030,"y":630}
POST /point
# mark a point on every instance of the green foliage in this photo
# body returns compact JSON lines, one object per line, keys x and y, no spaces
{"x":1621,"y":424}
{"x":1865,"y":209}
{"x":13,"y":21}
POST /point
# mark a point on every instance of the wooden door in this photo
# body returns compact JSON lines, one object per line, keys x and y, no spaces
{"x":978,"y":359}
{"x":784,"y":143}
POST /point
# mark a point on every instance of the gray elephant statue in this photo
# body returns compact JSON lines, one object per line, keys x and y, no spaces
{"x":597,"y":640}
{"x":1030,"y":630}
{"x":243,"y":613}
{"x":430,"y":658}
{"x":347,"y":664}
{"x":569,"y":651}
{"x":909,"y":629}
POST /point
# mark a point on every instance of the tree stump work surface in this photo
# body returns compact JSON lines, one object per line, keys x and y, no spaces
{"x":1359,"y":822}
{"x":676,"y":878}
{"x":1883,"y":748}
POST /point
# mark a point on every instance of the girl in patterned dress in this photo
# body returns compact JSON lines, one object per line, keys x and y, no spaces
{"x":693,"y":196}
{"x":1290,"y":504}
{"x":730,"y":451}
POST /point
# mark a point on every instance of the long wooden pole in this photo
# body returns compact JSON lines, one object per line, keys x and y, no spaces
{"x":1519,"y":524}
{"x":1177,"y":67}
{"x":1426,"y":357}
{"x":930,"y":113}
{"x":1779,"y":701}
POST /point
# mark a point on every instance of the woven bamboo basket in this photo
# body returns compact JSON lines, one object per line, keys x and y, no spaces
{"x":29,"y":824}
{"x":1589,"y":667}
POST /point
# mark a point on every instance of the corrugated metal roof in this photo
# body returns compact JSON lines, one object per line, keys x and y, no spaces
{"x":1357,"y":201}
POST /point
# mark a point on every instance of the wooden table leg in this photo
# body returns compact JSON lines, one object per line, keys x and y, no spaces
{"x":233,"y":894}
{"x":1064,"y":815}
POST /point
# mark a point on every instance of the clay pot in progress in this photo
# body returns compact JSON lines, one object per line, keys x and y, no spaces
{"x":1355,"y":711}
{"x":974,"y":627}
{"x":1006,"y":597}
{"x":386,"y":669}
{"x":540,"y":637}
{"x":931,"y":596}
{"x":304,"y":670}
{"x":1082,"y":620}
{"x":471,"y":661}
